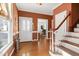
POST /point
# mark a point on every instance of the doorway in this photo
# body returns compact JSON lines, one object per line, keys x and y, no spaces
{"x":25,"y":29}
{"x":43,"y":27}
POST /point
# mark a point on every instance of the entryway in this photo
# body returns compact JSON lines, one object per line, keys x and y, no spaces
{"x":43,"y":27}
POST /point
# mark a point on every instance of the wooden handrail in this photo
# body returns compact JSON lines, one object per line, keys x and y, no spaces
{"x":62,"y":21}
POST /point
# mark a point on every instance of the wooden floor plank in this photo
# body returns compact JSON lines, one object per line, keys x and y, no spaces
{"x":36,"y":48}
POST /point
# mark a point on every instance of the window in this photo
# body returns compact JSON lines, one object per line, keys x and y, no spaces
{"x":28,"y":23}
{"x":24,"y":23}
{"x":4,"y":31}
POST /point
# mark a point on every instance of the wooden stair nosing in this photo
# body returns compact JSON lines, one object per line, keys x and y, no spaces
{"x":73,"y":53}
{"x":74,"y":44}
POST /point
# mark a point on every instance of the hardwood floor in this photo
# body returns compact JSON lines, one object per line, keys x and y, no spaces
{"x":37,"y":48}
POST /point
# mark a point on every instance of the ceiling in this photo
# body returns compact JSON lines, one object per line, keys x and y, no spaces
{"x":45,"y":8}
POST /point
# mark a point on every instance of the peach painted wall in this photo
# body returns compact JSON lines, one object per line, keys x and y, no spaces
{"x":15,"y":18}
{"x":35,"y":16}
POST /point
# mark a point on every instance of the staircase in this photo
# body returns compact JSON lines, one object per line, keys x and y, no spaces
{"x":70,"y":45}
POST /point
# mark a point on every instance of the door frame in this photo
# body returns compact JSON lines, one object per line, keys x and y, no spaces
{"x":47,"y":25}
{"x":19,"y":25}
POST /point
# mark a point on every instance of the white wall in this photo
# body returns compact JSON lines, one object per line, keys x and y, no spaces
{"x":59,"y":18}
{"x":59,"y":34}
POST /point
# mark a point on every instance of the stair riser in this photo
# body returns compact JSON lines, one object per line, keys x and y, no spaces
{"x":61,"y":51}
{"x":74,"y":40}
{"x":57,"y":50}
{"x":76,"y":29}
{"x":77,"y":25}
{"x":71,"y":47}
{"x":57,"y":42}
{"x":72,"y":34}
